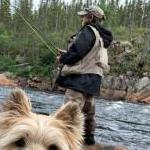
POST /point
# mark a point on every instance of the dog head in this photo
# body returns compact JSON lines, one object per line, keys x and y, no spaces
{"x":21,"y":129}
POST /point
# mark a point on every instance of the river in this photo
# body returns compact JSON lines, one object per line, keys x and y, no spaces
{"x":118,"y":122}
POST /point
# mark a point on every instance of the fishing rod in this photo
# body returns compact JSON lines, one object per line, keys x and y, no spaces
{"x":34,"y":29}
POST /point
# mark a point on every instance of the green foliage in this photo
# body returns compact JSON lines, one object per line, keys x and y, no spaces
{"x":56,"y":21}
{"x":32,"y":71}
{"x":9,"y":64}
{"x":123,"y":33}
{"x":4,"y":36}
{"x":6,"y":63}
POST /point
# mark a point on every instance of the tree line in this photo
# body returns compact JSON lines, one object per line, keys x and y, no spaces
{"x":56,"y":20}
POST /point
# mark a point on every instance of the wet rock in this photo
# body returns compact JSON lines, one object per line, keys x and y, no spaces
{"x":122,"y":46}
{"x":39,"y":83}
{"x":98,"y":146}
{"x":107,"y":81}
{"x":143,"y":83}
{"x":4,"y":81}
{"x":130,"y":74}
{"x":143,"y":97}
{"x":111,"y":94}
{"x":126,"y":87}
{"x":123,"y":82}
{"x":123,"y":87}
{"x":22,"y":82}
{"x":121,"y":50}
{"x":142,"y":94}
{"x":146,"y":100}
{"x":119,"y":83}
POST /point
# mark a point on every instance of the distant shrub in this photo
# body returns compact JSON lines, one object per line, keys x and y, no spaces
{"x":6,"y":62}
{"x":4,"y":38}
{"x":123,"y":33}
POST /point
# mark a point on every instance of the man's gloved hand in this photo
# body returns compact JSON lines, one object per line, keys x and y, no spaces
{"x":58,"y":59}
{"x":59,"y":53}
{"x":62,"y":50}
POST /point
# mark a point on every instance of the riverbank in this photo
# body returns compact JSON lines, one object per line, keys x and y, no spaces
{"x":123,"y":88}
{"x":5,"y":81}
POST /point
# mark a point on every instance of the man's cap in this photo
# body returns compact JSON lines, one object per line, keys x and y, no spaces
{"x":94,"y":10}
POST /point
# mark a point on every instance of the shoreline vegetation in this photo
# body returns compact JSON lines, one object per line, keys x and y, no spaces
{"x":113,"y":88}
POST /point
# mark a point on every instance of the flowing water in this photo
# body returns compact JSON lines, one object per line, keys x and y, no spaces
{"x":117,"y":122}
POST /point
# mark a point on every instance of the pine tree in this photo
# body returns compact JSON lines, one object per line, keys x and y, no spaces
{"x":5,"y":15}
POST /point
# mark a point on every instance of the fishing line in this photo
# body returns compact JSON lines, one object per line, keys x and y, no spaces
{"x":34,"y":29}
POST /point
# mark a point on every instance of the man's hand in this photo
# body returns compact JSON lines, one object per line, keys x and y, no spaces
{"x":59,"y":53}
{"x":58,"y":59}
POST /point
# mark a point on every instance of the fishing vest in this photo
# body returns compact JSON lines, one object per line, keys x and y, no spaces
{"x":93,"y":63}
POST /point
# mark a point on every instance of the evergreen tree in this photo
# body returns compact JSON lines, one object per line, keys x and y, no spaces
{"x":5,"y":15}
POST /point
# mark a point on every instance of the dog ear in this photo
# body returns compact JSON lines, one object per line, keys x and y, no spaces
{"x":71,"y":114}
{"x":17,"y":103}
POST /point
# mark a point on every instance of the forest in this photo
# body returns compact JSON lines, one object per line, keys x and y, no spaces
{"x":30,"y":37}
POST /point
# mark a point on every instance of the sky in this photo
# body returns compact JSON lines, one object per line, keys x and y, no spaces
{"x":37,"y":2}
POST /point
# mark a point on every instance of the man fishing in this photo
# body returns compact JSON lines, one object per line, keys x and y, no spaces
{"x":82,"y":73}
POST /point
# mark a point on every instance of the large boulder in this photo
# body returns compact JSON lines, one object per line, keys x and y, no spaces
{"x":98,"y":146}
{"x":122,"y":82}
{"x":143,"y":83}
{"x":122,"y":46}
{"x":107,"y":82}
{"x":111,"y":94}
{"x":142,"y":93}
{"x":121,"y":50}
{"x":39,"y":83}
{"x":126,"y":87}
{"x":4,"y":81}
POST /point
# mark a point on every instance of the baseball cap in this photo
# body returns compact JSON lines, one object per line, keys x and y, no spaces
{"x":94,"y":10}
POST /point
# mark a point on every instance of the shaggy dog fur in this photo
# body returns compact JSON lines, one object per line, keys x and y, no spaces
{"x":20,"y":129}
